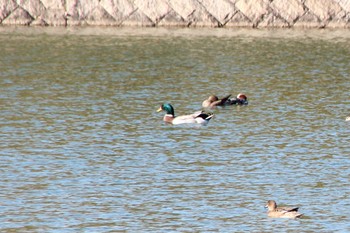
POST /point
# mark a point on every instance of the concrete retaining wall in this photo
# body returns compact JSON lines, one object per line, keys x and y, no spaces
{"x":184,"y":13}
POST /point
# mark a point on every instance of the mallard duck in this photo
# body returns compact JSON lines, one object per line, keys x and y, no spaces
{"x":241,"y":99}
{"x":278,"y":212}
{"x":214,"y":101}
{"x":199,"y":117}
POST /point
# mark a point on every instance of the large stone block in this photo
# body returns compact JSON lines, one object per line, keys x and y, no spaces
{"x":272,"y":20}
{"x":221,"y":10}
{"x":120,"y":10}
{"x":79,"y":10}
{"x":308,"y":20}
{"x":325,"y":10}
{"x":99,"y":16}
{"x":289,"y":10}
{"x":193,"y":13}
{"x":239,"y":20}
{"x":155,"y":10}
{"x":54,"y":4}
{"x":18,"y":17}
{"x":138,"y":18}
{"x":254,"y":10}
{"x":6,"y":8}
{"x":173,"y":19}
{"x":344,"y":4}
{"x":52,"y":17}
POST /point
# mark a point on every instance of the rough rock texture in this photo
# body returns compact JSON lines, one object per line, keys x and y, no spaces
{"x":183,"y":13}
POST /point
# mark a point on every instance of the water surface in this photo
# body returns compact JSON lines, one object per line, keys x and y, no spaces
{"x":83,"y":148}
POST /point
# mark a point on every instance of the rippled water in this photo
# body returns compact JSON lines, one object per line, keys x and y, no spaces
{"x":84,"y":150}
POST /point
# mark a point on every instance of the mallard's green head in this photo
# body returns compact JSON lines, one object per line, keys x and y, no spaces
{"x":167,"y":108}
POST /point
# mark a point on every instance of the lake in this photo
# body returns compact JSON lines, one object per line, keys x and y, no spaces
{"x":84,"y":150}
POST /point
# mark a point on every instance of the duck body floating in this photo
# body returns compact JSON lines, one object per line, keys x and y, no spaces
{"x":241,"y":99}
{"x":281,"y":212}
{"x":199,"y":117}
{"x":214,"y":101}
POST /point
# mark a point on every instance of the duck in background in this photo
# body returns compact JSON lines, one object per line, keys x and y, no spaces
{"x":241,"y":99}
{"x":281,"y":212}
{"x":199,"y":117}
{"x":214,"y":101}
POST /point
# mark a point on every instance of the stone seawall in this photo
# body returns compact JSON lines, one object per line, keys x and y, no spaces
{"x":183,"y":13}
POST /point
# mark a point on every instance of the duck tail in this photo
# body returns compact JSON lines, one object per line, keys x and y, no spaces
{"x":209,"y":116}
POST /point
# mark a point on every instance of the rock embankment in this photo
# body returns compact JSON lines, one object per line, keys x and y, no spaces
{"x":183,"y":13}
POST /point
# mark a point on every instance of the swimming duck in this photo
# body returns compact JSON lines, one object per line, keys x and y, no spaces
{"x":199,"y":117}
{"x":241,"y":99}
{"x":214,"y":101}
{"x":278,"y":212}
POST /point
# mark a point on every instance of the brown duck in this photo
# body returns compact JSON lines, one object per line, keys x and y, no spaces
{"x":214,"y":101}
{"x":281,"y":212}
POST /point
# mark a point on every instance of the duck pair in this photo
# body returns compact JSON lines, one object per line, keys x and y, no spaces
{"x":213,"y":101}
{"x":201,"y":117}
